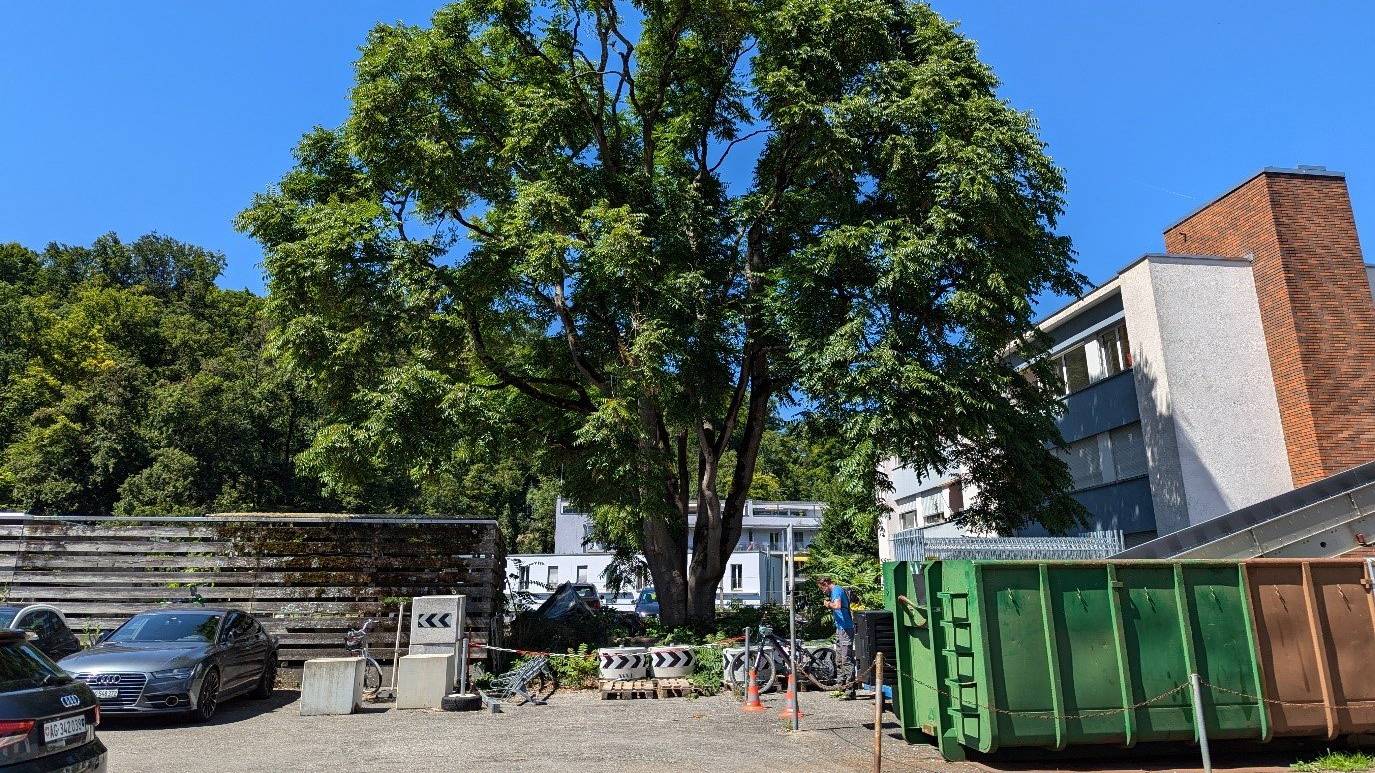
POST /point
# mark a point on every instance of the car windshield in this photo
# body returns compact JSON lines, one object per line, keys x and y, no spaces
{"x":647,"y":595}
{"x":23,"y":667}
{"x":169,"y":627}
{"x":586,"y":591}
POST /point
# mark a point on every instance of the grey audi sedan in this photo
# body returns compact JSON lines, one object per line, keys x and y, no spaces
{"x":183,"y":660}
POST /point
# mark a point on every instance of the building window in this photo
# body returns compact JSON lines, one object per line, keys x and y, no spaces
{"x":737,"y":576}
{"x":1115,"y":350}
{"x":908,"y":519}
{"x":524,"y":578}
{"x":773,"y":541}
{"x":1085,"y":462}
{"x":932,"y":506}
{"x":1106,"y":354}
{"x":1107,"y":457}
{"x":582,"y":574}
{"x":1128,"y":451}
{"x":553,"y":577}
{"x":1074,"y":369}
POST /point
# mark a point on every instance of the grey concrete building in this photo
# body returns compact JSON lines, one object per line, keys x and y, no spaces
{"x":1172,"y":409}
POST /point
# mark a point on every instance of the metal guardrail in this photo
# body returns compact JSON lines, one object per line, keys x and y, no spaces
{"x":1328,"y":517}
{"x":914,"y":546}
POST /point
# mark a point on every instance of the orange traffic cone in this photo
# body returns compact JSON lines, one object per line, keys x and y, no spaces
{"x":790,"y":708}
{"x":752,"y":693}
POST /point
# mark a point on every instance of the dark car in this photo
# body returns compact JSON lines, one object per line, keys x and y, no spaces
{"x":587,"y":594}
{"x":47,"y":719}
{"x":647,"y":605}
{"x":178,"y":660}
{"x":47,"y":624}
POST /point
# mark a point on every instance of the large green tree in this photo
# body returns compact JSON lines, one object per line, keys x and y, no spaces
{"x":612,"y":236}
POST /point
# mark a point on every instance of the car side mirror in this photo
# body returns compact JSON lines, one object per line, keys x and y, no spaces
{"x":103,"y":636}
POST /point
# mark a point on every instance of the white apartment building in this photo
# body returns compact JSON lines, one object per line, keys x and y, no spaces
{"x":752,"y":577}
{"x":764,"y":527}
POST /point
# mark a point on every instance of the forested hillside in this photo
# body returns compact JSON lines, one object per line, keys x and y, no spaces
{"x":131,"y":384}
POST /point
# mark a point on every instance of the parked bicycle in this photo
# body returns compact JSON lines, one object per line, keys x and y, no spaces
{"x":772,"y":659}
{"x":356,"y":640}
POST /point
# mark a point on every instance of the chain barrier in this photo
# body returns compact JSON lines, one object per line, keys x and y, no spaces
{"x":1277,"y":702}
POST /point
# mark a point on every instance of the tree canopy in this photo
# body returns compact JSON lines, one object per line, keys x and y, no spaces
{"x":613,"y":237}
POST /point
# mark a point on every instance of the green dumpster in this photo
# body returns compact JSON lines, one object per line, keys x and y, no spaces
{"x":999,"y":654}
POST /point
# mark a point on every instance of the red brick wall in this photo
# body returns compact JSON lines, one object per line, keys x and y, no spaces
{"x":1315,"y":308}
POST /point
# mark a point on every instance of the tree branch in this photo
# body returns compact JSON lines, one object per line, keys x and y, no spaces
{"x":523,"y":384}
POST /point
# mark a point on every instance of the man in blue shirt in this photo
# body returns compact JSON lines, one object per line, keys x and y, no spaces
{"x":838,"y":601}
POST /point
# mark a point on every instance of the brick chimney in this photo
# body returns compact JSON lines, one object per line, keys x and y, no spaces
{"x":1297,"y":228}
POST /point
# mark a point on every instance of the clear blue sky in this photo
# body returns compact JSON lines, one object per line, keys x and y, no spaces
{"x":168,"y":116}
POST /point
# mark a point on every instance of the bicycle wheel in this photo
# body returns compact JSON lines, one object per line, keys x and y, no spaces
{"x":821,"y":669}
{"x":372,"y":677}
{"x":767,"y":671}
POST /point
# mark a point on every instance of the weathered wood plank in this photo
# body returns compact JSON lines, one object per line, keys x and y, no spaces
{"x":361,"y":607}
{"x":215,"y":593}
{"x":297,"y":563}
{"x":380,"y":579}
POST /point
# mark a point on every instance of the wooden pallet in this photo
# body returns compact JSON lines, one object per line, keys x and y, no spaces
{"x":628,"y":689}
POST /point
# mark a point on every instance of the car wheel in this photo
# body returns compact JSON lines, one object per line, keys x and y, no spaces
{"x":267,"y":681}
{"x":209,"y":697}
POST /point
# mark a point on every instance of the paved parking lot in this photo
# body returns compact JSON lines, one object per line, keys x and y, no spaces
{"x":575,"y":732}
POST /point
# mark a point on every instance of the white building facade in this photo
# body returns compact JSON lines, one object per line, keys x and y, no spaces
{"x":763,"y":528}
{"x":752,"y":578}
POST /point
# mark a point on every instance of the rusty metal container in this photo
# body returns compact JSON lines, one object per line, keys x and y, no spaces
{"x":1315,"y":634}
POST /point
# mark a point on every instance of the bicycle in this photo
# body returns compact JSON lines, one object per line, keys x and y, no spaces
{"x":817,"y":665}
{"x":356,"y":640}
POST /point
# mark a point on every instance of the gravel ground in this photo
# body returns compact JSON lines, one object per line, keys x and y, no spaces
{"x":575,"y":732}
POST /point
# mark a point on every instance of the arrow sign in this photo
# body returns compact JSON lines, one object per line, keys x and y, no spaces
{"x":435,"y":620}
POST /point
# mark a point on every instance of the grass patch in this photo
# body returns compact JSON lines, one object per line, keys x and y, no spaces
{"x":1337,"y":761}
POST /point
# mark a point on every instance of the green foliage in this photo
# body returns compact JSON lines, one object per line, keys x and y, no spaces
{"x":708,"y":670}
{"x":861,"y":575}
{"x":578,"y":671}
{"x":130,"y":384}
{"x":1337,"y":761}
{"x":522,"y":244}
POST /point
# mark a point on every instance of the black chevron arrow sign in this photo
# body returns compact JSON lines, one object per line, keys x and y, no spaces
{"x":435,"y":620}
{"x":672,"y":658}
{"x":619,"y":660}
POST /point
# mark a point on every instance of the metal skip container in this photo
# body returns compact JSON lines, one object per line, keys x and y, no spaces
{"x":999,"y":654}
{"x":1315,"y":625}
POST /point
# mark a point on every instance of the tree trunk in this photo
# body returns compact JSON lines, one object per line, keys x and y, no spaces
{"x":665,"y":547}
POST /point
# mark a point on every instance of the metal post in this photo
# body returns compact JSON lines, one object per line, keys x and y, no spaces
{"x":745,"y":664}
{"x":463,"y":668}
{"x":792,"y":623}
{"x":1198,"y":723}
{"x":878,"y":712}
{"x":396,"y":648}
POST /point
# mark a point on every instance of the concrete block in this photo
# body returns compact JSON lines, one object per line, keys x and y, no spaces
{"x":424,"y":680}
{"x":331,"y":686}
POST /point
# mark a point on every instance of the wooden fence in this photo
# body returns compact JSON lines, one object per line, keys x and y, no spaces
{"x":306,"y":577}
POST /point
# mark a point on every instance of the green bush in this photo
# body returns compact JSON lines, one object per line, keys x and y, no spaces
{"x":710,"y":668}
{"x":576,"y":672}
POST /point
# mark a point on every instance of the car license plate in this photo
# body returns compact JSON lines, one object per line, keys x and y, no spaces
{"x":63,"y":728}
{"x":106,"y":692}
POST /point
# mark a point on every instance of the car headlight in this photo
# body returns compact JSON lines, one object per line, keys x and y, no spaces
{"x":175,"y":673}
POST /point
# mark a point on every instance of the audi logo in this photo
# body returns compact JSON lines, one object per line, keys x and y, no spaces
{"x":70,"y":701}
{"x":104,"y":679}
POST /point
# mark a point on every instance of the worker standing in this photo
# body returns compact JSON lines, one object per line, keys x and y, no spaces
{"x":838,"y":601}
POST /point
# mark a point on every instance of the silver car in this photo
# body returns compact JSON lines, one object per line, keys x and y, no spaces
{"x":183,"y":660}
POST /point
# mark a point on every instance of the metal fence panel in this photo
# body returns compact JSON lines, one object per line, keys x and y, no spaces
{"x":912,"y":545}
